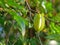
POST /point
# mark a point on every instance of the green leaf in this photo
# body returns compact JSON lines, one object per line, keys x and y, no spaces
{"x":49,"y":6}
{"x":33,"y":41}
{"x":1,"y":20}
{"x":2,"y":3}
{"x":20,"y":21}
{"x":13,"y":3}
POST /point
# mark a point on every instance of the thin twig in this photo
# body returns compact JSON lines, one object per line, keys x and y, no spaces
{"x":30,"y":7}
{"x":14,"y":42}
{"x":31,"y":16}
{"x":30,"y":11}
{"x":37,"y":34}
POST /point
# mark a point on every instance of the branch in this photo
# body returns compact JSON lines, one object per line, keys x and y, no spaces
{"x":30,"y":7}
{"x":30,"y":11}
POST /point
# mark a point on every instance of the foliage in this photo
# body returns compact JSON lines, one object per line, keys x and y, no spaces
{"x":17,"y":21}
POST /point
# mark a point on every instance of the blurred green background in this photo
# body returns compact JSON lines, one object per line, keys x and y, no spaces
{"x":17,"y":22}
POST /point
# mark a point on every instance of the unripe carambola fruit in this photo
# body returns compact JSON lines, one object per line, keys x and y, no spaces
{"x":39,"y":22}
